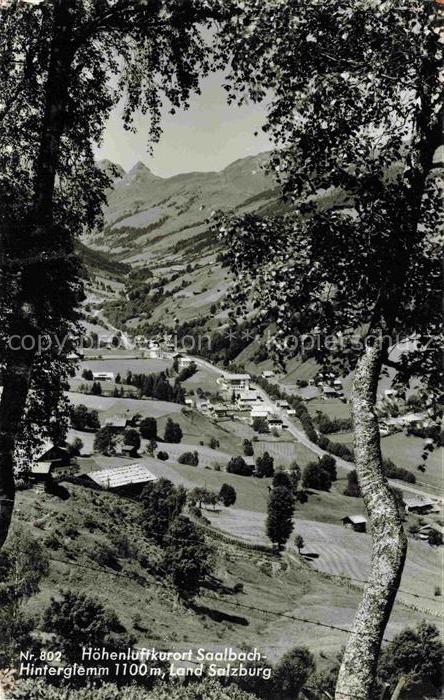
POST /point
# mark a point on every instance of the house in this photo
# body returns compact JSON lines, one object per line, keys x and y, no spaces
{"x":123,"y":480}
{"x":259,"y":412}
{"x":275,"y":422}
{"x":116,"y":423}
{"x":235,"y":382}
{"x":52,"y":462}
{"x":203,"y":405}
{"x":184,"y":361}
{"x":284,"y":405}
{"x":128,"y":451}
{"x":309,"y":393}
{"x":356,"y":522}
{"x":103,"y":376}
{"x":189,"y":402}
{"x":419,"y":505}
{"x":329,"y":392}
{"x":268,"y":374}
{"x":247,"y":399}
{"x":219,"y":410}
{"x":338,"y":384}
{"x":54,"y":454}
{"x":424,"y":531}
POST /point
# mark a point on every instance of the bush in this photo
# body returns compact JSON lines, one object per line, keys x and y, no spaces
{"x":248,"y":448}
{"x":214,"y":443}
{"x":265,"y":465}
{"x":315,"y":477}
{"x":391,"y":471}
{"x":173,"y":432}
{"x":148,"y":428}
{"x":191,"y":458}
{"x":353,"y":489}
{"x":260,"y":425}
{"x":292,"y":671}
{"x":237,"y":465}
{"x":131,"y":437}
{"x":162,"y":455}
{"x":227,"y":495}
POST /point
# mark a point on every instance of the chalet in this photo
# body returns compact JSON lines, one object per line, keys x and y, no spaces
{"x":103,"y":376}
{"x":247,"y":399}
{"x":189,"y":402}
{"x":54,"y":454}
{"x":219,"y":410}
{"x":284,"y":405}
{"x":268,"y":374}
{"x":338,"y":384}
{"x":116,"y":423}
{"x":128,"y":451}
{"x":419,"y":505}
{"x":259,"y":412}
{"x":329,"y":392}
{"x":203,"y":405}
{"x":355,"y":522}
{"x":424,"y":531}
{"x":275,"y":422}
{"x":235,"y":382}
{"x":123,"y":480}
{"x":52,"y":462}
{"x":185,"y":361}
{"x":309,"y":393}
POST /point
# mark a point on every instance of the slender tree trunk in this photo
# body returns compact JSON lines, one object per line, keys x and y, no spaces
{"x":19,"y":363}
{"x":389,"y":543}
{"x":399,"y":688}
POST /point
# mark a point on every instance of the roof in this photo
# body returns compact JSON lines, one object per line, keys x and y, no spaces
{"x":103,"y":374}
{"x":432,"y":526}
{"x":356,"y":519}
{"x":275,"y":419}
{"x":46,"y":447}
{"x":41,"y":468}
{"x":418,"y":502}
{"x":309,"y":392}
{"x":116,"y":421}
{"x":122,"y":476}
{"x":237,"y":376}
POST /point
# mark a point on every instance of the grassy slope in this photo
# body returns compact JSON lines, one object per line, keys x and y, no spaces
{"x":289,"y":587}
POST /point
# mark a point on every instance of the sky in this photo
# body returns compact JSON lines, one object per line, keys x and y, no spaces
{"x":208,"y":136}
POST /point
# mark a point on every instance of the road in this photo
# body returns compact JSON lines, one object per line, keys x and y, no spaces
{"x":301,"y":437}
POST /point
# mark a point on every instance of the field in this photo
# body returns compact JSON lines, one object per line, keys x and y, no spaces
{"x":338,"y":551}
{"x":110,"y":406}
{"x":122,"y":366}
{"x":405,"y":451}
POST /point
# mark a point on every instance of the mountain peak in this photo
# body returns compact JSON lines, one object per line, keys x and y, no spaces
{"x":111,"y":168}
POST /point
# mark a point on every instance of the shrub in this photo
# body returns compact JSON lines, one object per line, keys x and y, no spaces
{"x":191,"y":458}
{"x":148,"y":428}
{"x":173,"y":432}
{"x":315,"y":477}
{"x":237,"y":465}
{"x":227,"y":495}
{"x":162,"y":455}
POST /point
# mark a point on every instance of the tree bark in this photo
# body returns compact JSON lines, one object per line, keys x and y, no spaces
{"x":389,"y":543}
{"x":19,"y":363}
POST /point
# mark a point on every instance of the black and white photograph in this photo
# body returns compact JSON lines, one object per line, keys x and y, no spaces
{"x":221,"y":371}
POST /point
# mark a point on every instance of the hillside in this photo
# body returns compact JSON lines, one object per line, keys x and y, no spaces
{"x":147,"y":216}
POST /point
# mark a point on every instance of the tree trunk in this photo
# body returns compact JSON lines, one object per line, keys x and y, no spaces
{"x":399,"y":688}
{"x":19,"y":363}
{"x":389,"y":543}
